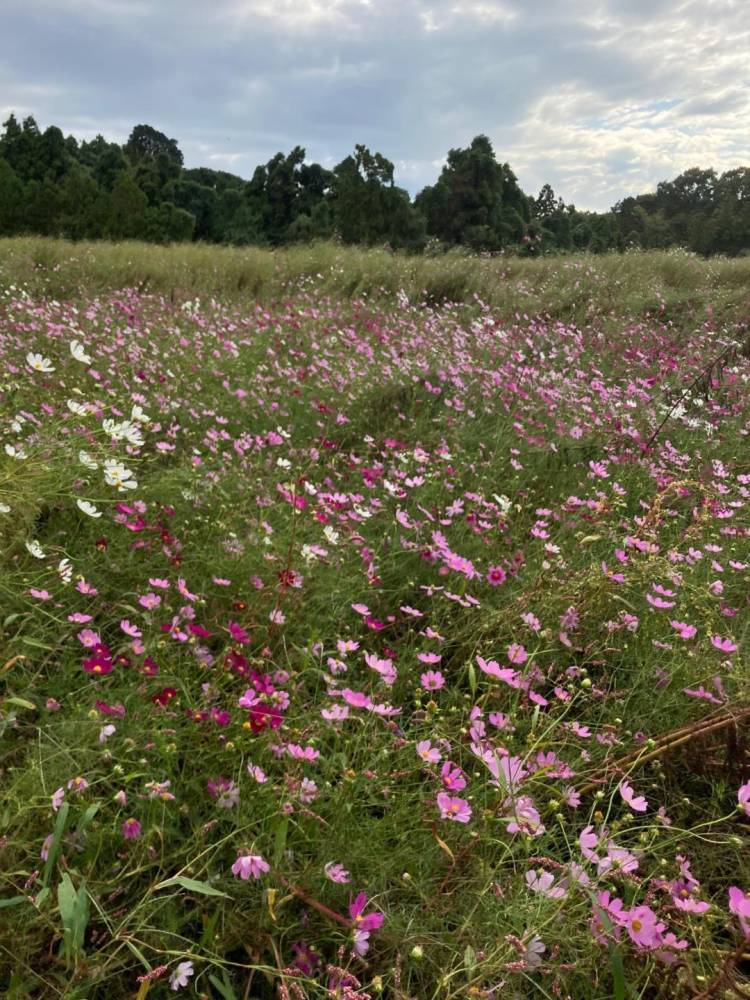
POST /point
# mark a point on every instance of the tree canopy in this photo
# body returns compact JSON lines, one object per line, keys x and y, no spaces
{"x":54,"y":185}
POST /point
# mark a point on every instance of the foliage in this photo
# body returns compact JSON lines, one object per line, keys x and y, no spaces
{"x":54,"y":186}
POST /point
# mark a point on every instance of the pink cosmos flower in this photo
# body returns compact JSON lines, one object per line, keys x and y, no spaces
{"x":357,"y":699}
{"x":181,"y":975}
{"x":723,"y":645}
{"x":336,"y":713}
{"x":506,"y":674}
{"x":739,"y":905}
{"x":88,"y":638}
{"x":606,"y":918}
{"x":642,"y":926}
{"x":432,"y":680}
{"x":523,"y":816}
{"x":453,"y":808}
{"x":428,"y":753}
{"x":684,"y":631}
{"x":617,"y":860}
{"x":700,"y":692}
{"x":257,"y":773}
{"x":430,"y":658}
{"x":743,"y":798}
{"x":149,"y":601}
{"x":637,"y":803}
{"x":182,"y":588}
{"x":683,"y":897}
{"x":517,"y":654}
{"x":544,"y":883}
{"x":249,"y":864}
{"x":384,"y":667}
{"x":336,"y":872}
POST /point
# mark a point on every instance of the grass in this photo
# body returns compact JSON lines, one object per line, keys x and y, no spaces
{"x":371,"y":532}
{"x":672,"y":284}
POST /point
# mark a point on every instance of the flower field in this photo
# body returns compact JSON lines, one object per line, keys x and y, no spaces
{"x":372,"y":646}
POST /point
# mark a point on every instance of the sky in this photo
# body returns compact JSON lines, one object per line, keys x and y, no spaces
{"x":600,"y":98}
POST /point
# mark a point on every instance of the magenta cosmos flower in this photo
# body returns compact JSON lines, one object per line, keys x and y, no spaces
{"x":363,"y":923}
{"x":496,"y":576}
{"x":250,"y":864}
{"x":131,"y":829}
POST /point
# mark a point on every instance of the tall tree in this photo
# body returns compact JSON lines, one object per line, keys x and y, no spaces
{"x":147,"y":143}
{"x":476,"y":200}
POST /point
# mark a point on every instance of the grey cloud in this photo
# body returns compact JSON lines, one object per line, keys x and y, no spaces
{"x":594,"y":96}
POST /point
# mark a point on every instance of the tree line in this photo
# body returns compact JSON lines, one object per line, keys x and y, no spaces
{"x":53,"y":185}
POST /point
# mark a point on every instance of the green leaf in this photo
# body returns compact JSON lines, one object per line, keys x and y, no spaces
{"x":54,"y":847}
{"x":21,"y":703}
{"x":279,"y":840}
{"x":28,"y":641}
{"x":618,"y":974}
{"x":74,"y":913}
{"x":225,"y":987}
{"x":84,"y":821}
{"x":192,"y":885}
{"x":472,"y":679}
{"x":470,"y":958}
{"x":13,"y":901}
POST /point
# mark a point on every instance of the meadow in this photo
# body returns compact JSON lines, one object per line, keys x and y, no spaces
{"x":373,"y":625}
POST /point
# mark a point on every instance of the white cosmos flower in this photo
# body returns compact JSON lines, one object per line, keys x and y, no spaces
{"x":38,"y":363}
{"x":331,"y":534}
{"x":133,"y":436}
{"x":4,"y":508}
{"x":35,"y":549}
{"x":85,"y":459}
{"x":14,"y":452}
{"x":78,"y":353}
{"x":80,"y":409}
{"x":65,"y":570}
{"x":123,"y":430}
{"x":138,"y":415}
{"x":117,"y":475}
{"x":88,"y":508}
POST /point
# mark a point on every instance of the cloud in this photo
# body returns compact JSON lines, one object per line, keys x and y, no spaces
{"x":601,"y":98}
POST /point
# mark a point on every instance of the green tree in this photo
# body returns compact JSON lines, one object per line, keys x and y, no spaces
{"x":147,"y":143}
{"x":476,"y":200}
{"x":126,"y":216}
{"x":11,"y":200}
